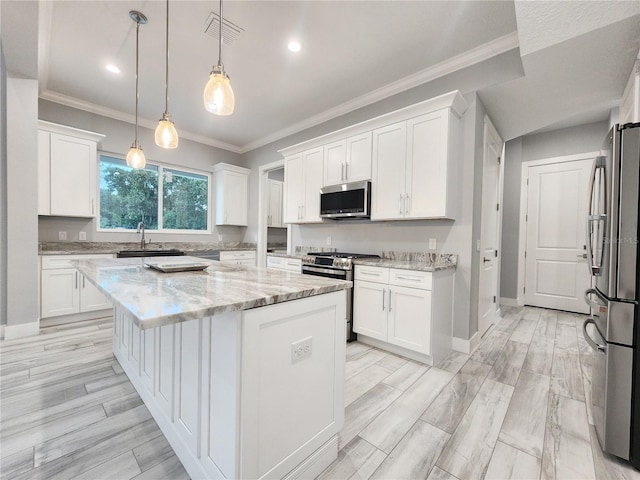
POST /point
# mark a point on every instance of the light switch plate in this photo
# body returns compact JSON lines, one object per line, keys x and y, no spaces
{"x":432,"y":244}
{"x":329,"y":240}
{"x":62,"y":235}
{"x":82,"y":236}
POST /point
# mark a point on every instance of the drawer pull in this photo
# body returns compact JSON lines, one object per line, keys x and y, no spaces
{"x":411,"y":279}
{"x":373,"y":274}
{"x":384,"y":292}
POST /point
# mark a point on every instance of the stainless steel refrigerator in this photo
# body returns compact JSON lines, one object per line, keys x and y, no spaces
{"x":613,"y":331}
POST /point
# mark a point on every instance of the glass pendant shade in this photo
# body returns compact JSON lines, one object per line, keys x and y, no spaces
{"x":135,"y":157}
{"x":218,"y":95}
{"x":166,"y":135}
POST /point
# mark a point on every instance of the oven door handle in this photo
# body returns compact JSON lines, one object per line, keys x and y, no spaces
{"x":327,"y":271}
{"x":592,"y":343}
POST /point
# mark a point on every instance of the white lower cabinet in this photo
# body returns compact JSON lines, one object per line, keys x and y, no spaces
{"x":244,"y":257}
{"x":284,"y":263}
{"x":64,"y":290}
{"x":405,"y":310}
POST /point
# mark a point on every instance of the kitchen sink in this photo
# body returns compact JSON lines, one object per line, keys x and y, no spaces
{"x":167,"y":252}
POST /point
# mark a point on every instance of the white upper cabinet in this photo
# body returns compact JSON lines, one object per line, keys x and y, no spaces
{"x":274,"y":215}
{"x":67,"y":170}
{"x":414,"y":168}
{"x":302,"y":183}
{"x":410,"y":155}
{"x":231,"y":193}
{"x":348,"y":160}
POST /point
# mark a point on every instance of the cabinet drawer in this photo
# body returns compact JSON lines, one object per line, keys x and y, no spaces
{"x":241,"y":255}
{"x":411,"y":278}
{"x":293,"y":265}
{"x":53,"y":262}
{"x":372,"y":274}
{"x":276,"y":262}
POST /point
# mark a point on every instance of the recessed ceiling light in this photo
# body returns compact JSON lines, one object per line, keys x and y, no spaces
{"x":294,"y":46}
{"x":112,"y":68}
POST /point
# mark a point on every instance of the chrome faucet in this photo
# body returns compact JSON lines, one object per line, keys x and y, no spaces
{"x":141,"y":230}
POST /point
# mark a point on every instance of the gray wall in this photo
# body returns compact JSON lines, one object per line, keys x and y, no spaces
{"x":3,"y":188}
{"x":22,"y":194}
{"x":566,"y":141}
{"x":119,"y":136}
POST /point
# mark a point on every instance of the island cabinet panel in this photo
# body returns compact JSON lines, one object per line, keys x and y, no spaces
{"x":166,"y":370}
{"x":148,"y":360}
{"x":135,"y":347}
{"x":188,"y":382}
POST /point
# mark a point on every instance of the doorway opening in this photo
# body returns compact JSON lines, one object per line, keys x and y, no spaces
{"x":271,"y":229}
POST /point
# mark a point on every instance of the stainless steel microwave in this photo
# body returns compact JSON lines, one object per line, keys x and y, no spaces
{"x":347,"y":200}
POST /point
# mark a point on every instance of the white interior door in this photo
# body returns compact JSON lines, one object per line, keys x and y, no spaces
{"x":556,"y":273}
{"x":488,"y":294}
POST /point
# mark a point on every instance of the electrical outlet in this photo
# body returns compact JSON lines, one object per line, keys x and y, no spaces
{"x":220,"y":237}
{"x":477,"y":245}
{"x":62,"y":235}
{"x":328,"y":239}
{"x":301,"y":349}
{"x":82,"y":236}
{"x":432,"y":244}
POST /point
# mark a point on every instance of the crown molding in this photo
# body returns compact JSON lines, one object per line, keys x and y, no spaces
{"x":126,"y":117}
{"x":466,"y":59}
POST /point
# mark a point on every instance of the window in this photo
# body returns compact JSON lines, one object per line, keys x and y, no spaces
{"x":179,"y":203}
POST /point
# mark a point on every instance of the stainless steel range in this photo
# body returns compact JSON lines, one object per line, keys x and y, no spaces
{"x":335,"y":265}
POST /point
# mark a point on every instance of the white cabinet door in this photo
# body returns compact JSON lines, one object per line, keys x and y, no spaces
{"x":91,"y":298}
{"x":388,"y":189}
{"x":312,"y":185}
{"x":335,"y":160}
{"x":60,"y":292}
{"x":274,"y":218}
{"x":410,"y":318}
{"x":293,"y":188}
{"x":358,"y":164}
{"x":426,"y":174}
{"x":370,"y":309}
{"x":231,"y":198}
{"x":73,"y":163}
{"x":44,"y":173}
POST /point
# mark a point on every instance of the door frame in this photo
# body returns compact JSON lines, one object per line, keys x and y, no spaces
{"x":490,"y":129}
{"x":524,"y":204}
{"x":263,"y":192}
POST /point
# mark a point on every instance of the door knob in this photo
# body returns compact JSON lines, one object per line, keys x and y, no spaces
{"x":582,"y":255}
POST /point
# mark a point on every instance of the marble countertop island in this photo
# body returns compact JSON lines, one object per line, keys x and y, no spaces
{"x":155,"y":299}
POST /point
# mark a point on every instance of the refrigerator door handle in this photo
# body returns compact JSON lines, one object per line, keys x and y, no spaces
{"x":593,"y":344}
{"x":594,"y":218}
{"x":591,"y":303}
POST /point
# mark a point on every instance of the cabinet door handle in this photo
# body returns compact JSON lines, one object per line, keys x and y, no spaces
{"x":84,"y":285}
{"x":342,"y":171}
{"x":407,"y":204}
{"x":346,"y":171}
{"x":76,"y":280}
{"x":384,"y":292}
{"x":389,"y":299}
{"x":400,"y":205}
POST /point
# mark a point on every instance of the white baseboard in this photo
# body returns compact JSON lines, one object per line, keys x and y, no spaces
{"x":509,"y":302}
{"x":28,"y":329}
{"x":465,"y":346}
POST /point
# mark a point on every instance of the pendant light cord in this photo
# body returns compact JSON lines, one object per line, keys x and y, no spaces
{"x":220,"y":38}
{"x":166,"y":76}
{"x":137,"y":42}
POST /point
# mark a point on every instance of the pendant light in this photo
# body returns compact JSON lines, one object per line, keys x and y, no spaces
{"x":218,"y":95}
{"x":166,"y":135}
{"x":135,"y":157}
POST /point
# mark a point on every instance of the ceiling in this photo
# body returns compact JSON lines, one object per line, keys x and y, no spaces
{"x":575,"y":56}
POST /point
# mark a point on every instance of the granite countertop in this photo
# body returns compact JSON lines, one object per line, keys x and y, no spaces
{"x":155,"y":299}
{"x":425,"y":262}
{"x":80,"y":248}
{"x":283,"y":254}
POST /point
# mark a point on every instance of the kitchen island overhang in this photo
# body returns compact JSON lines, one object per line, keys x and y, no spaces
{"x":242,"y":368}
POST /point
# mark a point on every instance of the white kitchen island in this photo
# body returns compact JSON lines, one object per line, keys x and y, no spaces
{"x":242,"y":368}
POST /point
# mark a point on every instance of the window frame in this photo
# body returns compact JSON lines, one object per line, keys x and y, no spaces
{"x":161,"y":167}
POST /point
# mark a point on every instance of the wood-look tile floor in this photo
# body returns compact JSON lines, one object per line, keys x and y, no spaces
{"x":515,"y":408}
